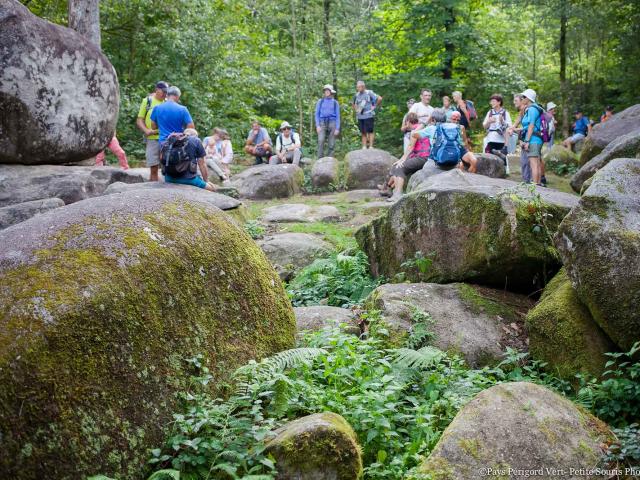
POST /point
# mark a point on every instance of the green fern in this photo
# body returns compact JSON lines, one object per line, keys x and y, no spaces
{"x":424,"y":358}
{"x":168,"y":474}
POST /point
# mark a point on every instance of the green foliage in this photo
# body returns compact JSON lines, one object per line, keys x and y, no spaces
{"x":254,"y":229}
{"x":343,"y":279}
{"x":419,"y":265}
{"x":615,"y":398}
{"x":625,"y":451}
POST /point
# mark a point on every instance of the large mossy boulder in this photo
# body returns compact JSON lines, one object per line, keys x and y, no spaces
{"x":488,"y":165}
{"x":603,"y":134}
{"x":469,"y":228}
{"x":24,"y":183}
{"x":516,"y":427}
{"x":59,"y":95}
{"x":264,"y":182}
{"x":322,"y":446}
{"x":101,"y":304}
{"x":477,"y":323}
{"x":563,"y":334}
{"x":626,"y":146}
{"x":368,"y":168}
{"x":599,"y":242}
{"x":317,"y":317}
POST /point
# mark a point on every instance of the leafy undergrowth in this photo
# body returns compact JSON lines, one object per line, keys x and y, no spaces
{"x":342,"y":279}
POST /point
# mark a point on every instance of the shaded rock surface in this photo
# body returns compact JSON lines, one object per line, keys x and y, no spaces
{"x":490,"y":166}
{"x":20,"y":212}
{"x":473,"y":230}
{"x":626,"y":146}
{"x":290,"y":252}
{"x":599,"y":242}
{"x":367,"y":168}
{"x":559,"y":157}
{"x":59,"y":94}
{"x":269,"y":181}
{"x":301,"y":213}
{"x":563,"y":334}
{"x":603,"y":134}
{"x":22,"y":183}
{"x":320,"y":316}
{"x":322,"y":446}
{"x":521,"y":426}
{"x":100,"y":303}
{"x":476,"y":323}
{"x":324,"y":172}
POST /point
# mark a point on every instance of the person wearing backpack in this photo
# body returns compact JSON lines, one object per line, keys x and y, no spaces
{"x":532,"y":136}
{"x":288,"y":146}
{"x":327,"y":120}
{"x":466,"y":108}
{"x":181,"y":156}
{"x":496,"y":123}
{"x":143,"y":122}
{"x":364,"y":103}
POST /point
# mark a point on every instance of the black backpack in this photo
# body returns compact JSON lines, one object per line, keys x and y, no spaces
{"x":174,"y":158}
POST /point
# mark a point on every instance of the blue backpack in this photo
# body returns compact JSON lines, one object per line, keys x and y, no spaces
{"x":446,"y":149}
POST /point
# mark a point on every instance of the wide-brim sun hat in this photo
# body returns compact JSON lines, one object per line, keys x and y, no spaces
{"x":284,"y":125}
{"x":329,"y":87}
{"x":530,"y":94}
{"x":551,"y":106}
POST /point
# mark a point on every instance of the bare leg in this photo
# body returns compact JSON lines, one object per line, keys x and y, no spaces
{"x":398,"y":186}
{"x":211,"y":187}
{"x":534,"y":162}
{"x":364,"y":141}
{"x":471,"y":159}
{"x":153,"y":173}
{"x":372,"y":137}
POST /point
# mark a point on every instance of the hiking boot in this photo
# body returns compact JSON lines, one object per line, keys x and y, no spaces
{"x":543,"y":181}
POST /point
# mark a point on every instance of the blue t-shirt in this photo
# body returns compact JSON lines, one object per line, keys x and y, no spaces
{"x":260,"y":137}
{"x":195,"y":151}
{"x":581,"y":126}
{"x":171,"y":117}
{"x":532,"y":115}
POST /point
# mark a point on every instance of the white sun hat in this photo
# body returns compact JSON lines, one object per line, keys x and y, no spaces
{"x":329,"y":87}
{"x":530,"y":94}
{"x":551,"y":106}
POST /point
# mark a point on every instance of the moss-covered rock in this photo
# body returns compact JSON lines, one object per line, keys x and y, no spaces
{"x":322,"y":446}
{"x":518,"y":426}
{"x":477,"y":323}
{"x":317,"y":317}
{"x":600,"y":246}
{"x":563,"y":334}
{"x":559,"y":155}
{"x":101,"y":302}
{"x":474,"y":228}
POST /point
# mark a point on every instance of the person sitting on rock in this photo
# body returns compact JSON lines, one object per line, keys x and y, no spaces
{"x":607,"y":115}
{"x":288,"y":146}
{"x":406,"y":127}
{"x":414,"y":160}
{"x":581,"y":128}
{"x":117,"y":150}
{"x":258,"y":143}
{"x":182,"y":154}
{"x":219,"y":153}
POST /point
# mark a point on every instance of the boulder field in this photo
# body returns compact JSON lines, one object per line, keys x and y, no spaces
{"x":103,"y":302}
{"x":59,"y":95}
{"x":263,"y":182}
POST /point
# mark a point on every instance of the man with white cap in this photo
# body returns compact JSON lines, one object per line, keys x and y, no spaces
{"x":327,"y":120}
{"x":288,"y":146}
{"x":531,"y":138}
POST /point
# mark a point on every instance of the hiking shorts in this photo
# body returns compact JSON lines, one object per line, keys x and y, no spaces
{"x":152,"y":153}
{"x":535,"y":149}
{"x":411,"y":165}
{"x":366,"y":125}
{"x":576,"y":137}
{"x":196,"y":181}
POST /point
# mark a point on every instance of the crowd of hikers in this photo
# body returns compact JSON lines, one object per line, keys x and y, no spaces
{"x":441,"y":135}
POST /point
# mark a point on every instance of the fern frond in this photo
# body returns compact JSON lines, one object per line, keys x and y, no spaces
{"x":168,"y":474}
{"x":424,"y":358}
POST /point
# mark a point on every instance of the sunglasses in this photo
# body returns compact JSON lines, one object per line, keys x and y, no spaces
{"x":286,"y":128}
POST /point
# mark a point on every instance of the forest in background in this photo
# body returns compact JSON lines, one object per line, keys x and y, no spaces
{"x":237,"y":60}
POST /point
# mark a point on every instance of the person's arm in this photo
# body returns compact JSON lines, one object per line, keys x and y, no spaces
{"x":297,"y":143}
{"x":228,"y":152}
{"x":378,"y":101}
{"x":588,"y":127}
{"x":337,"y":117}
{"x":154,"y":125}
{"x":318,"y":129}
{"x":250,"y":138}
{"x":278,"y":144}
{"x":140,"y":121}
{"x":203,"y":169}
{"x":410,"y":146}
{"x":487,"y":120}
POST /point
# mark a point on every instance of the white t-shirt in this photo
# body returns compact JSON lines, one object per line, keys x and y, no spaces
{"x":292,"y":139}
{"x":423,"y":111}
{"x":498,"y":124}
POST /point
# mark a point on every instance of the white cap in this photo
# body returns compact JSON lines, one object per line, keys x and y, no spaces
{"x":284,"y":125}
{"x":329,"y":87}
{"x":551,"y":106}
{"x":530,"y":94}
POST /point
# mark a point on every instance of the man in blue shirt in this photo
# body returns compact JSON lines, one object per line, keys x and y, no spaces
{"x":531,"y":138}
{"x":171,"y":117}
{"x":327,"y":120}
{"x":186,"y":172}
{"x":581,"y":128}
{"x":259,"y":143}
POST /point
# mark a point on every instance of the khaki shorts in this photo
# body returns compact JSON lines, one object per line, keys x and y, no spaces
{"x":534,"y":149}
{"x":152,"y":153}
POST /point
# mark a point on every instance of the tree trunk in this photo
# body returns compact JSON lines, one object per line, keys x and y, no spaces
{"x":84,"y":18}
{"x":294,"y":38}
{"x":534,"y":53}
{"x":329,"y":42}
{"x":449,"y":46}
{"x":564,"y":98}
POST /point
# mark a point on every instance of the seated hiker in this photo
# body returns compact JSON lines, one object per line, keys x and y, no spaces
{"x":581,"y":128}
{"x":219,"y":153}
{"x":258,"y":143}
{"x":181,"y":156}
{"x":288,"y":146}
{"x":412,"y":161}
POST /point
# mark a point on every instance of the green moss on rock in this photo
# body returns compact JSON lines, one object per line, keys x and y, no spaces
{"x":563,"y":333}
{"x":322,"y":446}
{"x":101,"y":304}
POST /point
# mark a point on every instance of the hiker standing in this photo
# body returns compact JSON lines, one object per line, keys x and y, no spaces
{"x":423,"y":108}
{"x":364,"y":104}
{"x":531,"y":138}
{"x":467,"y":110}
{"x":143,"y":122}
{"x":327,"y":120}
{"x":496,"y":123}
